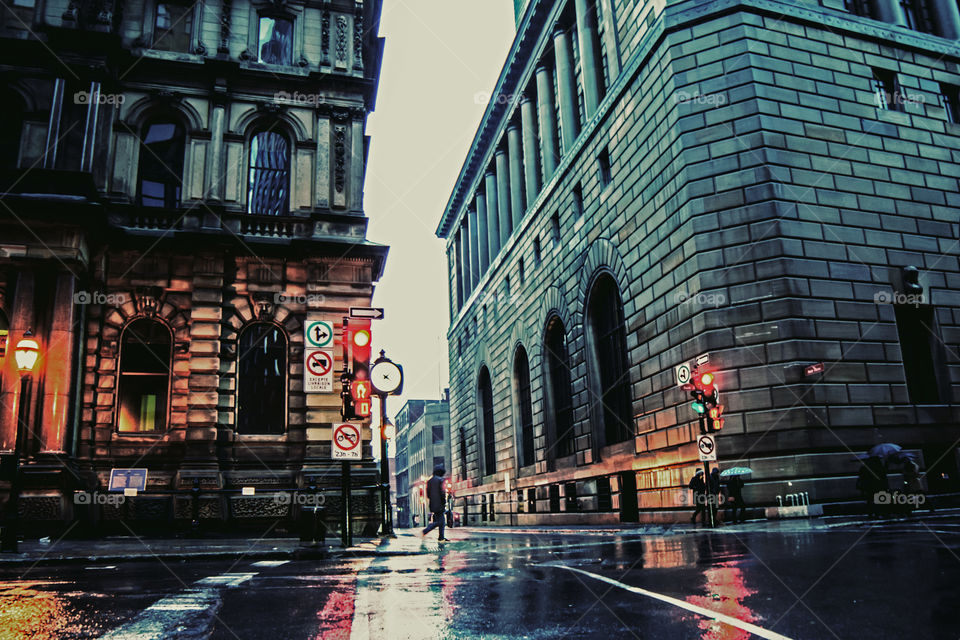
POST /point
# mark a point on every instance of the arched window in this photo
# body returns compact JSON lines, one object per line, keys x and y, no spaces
{"x":524,"y":408}
{"x":162,"y":149}
{"x":144,"y":377}
{"x":268,"y":188}
{"x":262,"y":380}
{"x":559,"y":395}
{"x":609,"y":342}
{"x":485,"y":393}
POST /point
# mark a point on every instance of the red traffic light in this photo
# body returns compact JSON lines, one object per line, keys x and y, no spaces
{"x":357,"y":348}
{"x":706,"y":379}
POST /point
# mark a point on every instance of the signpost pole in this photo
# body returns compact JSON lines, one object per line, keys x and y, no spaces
{"x":346,"y":535}
{"x":711,"y":508}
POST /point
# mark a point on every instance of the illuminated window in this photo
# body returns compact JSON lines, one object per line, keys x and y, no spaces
{"x":275,"y":41}
{"x":162,"y":151}
{"x":144,"y":377}
{"x":269,"y":180}
{"x":262,"y":380}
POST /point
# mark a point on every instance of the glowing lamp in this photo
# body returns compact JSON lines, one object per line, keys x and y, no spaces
{"x":361,"y":338}
{"x":26,"y":353}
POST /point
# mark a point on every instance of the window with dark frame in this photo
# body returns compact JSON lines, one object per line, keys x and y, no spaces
{"x":537,"y":255}
{"x":521,"y":381}
{"x":437,"y":433}
{"x":162,"y":150}
{"x":917,"y":15}
{"x":577,"y":202}
{"x":485,"y":391}
{"x":145,"y":357}
{"x":262,"y":380}
{"x":603,"y":165}
{"x":886,"y":90}
{"x":950,"y":101}
{"x":275,"y":40}
{"x":268,"y":191}
{"x":561,"y":399}
{"x":921,"y":349}
{"x":463,"y":452}
{"x":859,"y":7}
{"x":521,"y":275}
{"x":173,"y":26}
{"x":607,"y":326}
{"x":555,"y":226}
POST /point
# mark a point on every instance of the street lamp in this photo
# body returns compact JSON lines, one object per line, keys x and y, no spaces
{"x":387,"y":379}
{"x":26,"y":354}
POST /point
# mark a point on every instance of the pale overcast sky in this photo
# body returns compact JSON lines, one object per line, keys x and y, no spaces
{"x":439,"y":55}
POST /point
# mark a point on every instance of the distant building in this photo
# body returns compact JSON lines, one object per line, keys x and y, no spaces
{"x":182,"y":193}
{"x":423,"y":443}
{"x":771,"y":185}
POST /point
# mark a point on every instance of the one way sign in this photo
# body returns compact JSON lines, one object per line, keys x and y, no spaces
{"x":373,"y":313}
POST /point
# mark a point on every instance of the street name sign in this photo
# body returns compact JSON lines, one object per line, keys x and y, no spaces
{"x":317,"y":371}
{"x":346,"y":442}
{"x":707,"y":447}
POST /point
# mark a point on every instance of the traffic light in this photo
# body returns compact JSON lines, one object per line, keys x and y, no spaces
{"x":357,"y":349}
{"x":361,"y":392}
{"x":711,"y":394}
{"x":715,"y":423}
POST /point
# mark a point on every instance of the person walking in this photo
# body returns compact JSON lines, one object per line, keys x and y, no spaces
{"x":871,"y":482}
{"x":735,"y":503}
{"x":437,"y":501}
{"x":699,"y":489}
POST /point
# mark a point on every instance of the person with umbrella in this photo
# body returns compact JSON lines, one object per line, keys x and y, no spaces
{"x":733,"y":478}
{"x":871,"y":481}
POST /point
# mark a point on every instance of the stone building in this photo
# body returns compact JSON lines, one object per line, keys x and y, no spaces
{"x":423,"y":442}
{"x":183,"y":191}
{"x":772,"y":184}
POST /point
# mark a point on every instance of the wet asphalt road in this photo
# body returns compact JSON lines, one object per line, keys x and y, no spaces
{"x":894,"y":580}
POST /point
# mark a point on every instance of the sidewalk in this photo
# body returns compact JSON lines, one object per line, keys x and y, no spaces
{"x":406,"y":542}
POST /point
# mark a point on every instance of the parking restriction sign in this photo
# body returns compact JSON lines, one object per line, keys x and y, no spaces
{"x":318,"y":371}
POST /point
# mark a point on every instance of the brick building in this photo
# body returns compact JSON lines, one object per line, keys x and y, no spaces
{"x":183,"y":191}
{"x":769,"y":183}
{"x":423,"y":442}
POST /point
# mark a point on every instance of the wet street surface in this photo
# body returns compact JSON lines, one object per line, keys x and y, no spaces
{"x":887,"y":580}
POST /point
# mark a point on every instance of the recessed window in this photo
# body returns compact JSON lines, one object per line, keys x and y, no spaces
{"x":886,"y":90}
{"x":520,"y":271}
{"x":536,"y":251}
{"x":950,"y":100}
{"x":269,"y":181}
{"x":162,"y":149}
{"x":859,"y":7}
{"x":275,"y":41}
{"x":173,"y":27}
{"x":605,"y":320}
{"x":437,"y":430}
{"x":144,"y":377}
{"x":485,"y":391}
{"x":577,"y":202}
{"x":603,"y":166}
{"x":524,"y":406}
{"x":555,"y":227}
{"x":921,"y":348}
{"x":917,"y":15}
{"x":261,"y":380}
{"x":559,"y":394}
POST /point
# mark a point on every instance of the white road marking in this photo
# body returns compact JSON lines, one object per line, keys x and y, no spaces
{"x":740,"y":624}
{"x":193,"y":609}
{"x":110,"y":566}
{"x":270,"y":563}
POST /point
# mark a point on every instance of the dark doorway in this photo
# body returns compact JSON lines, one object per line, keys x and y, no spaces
{"x":629,"y":512}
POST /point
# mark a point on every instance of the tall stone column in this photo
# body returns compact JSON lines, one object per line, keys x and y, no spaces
{"x":214,"y":177}
{"x":948,"y":18}
{"x":483,"y":233}
{"x":458,"y":250}
{"x":517,"y":201}
{"x":474,"y":249}
{"x":890,"y":11}
{"x":493,"y":213}
{"x":465,"y":234}
{"x":21,"y":319}
{"x":589,"y":56}
{"x":566,"y":88}
{"x":356,"y":165}
{"x":58,"y":374}
{"x":503,"y":196}
{"x":531,"y":163}
{"x":610,"y":44}
{"x":549,"y":150}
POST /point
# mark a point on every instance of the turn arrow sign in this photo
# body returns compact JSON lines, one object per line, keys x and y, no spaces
{"x":374,"y":313}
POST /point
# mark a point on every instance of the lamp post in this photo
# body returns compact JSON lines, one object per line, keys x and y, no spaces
{"x":26,"y":353}
{"x":387,"y":379}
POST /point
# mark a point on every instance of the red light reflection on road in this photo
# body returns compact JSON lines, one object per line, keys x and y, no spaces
{"x":726,"y":590}
{"x":336,"y":617}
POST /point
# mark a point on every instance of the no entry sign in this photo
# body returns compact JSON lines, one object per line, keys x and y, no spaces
{"x":318,"y":371}
{"x":346,"y":443}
